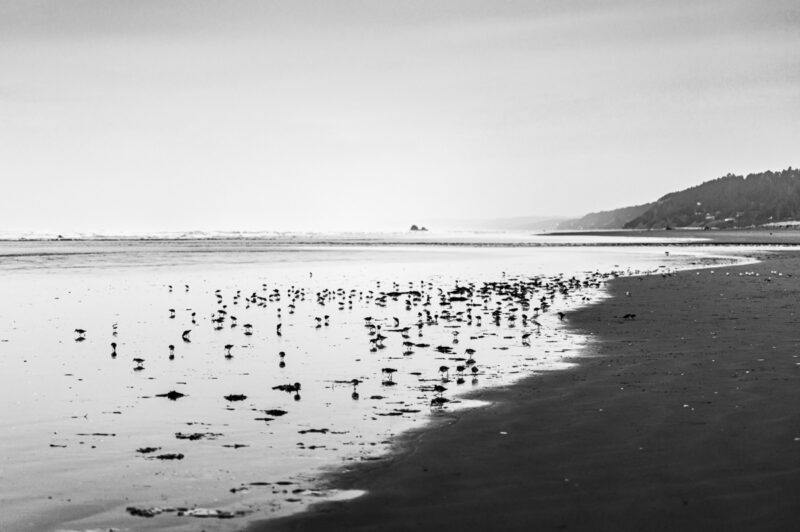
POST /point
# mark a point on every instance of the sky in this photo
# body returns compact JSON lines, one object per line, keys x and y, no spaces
{"x":121,"y":116}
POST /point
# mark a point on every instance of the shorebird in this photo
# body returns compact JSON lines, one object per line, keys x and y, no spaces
{"x":379,"y":338}
{"x":282,"y":363}
{"x":290,"y":388}
{"x":526,"y":338}
{"x":81,"y":335}
{"x":171,"y":352}
{"x":113,"y":349}
{"x":228,"y":348}
{"x":439,"y":401}
{"x":389,"y":372}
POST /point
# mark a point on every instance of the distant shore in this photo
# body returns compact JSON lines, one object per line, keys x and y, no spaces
{"x":751,"y":236}
{"x":755,"y":235}
{"x":684,"y":418}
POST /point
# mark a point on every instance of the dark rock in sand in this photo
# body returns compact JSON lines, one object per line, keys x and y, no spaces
{"x":144,"y":512}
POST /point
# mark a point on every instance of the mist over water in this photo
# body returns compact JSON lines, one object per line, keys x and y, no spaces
{"x":75,"y":418}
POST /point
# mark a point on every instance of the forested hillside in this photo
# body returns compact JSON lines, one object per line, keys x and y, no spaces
{"x":730,"y":201}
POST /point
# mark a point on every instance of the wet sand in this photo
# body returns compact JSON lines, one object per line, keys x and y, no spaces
{"x":684,"y":418}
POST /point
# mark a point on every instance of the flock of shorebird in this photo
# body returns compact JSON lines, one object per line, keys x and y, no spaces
{"x":512,"y":302}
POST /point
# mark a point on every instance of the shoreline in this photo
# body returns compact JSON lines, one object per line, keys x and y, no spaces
{"x":780,"y":236}
{"x":663,"y":425}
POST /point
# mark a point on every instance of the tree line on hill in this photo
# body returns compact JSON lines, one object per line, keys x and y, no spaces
{"x":729,"y":201}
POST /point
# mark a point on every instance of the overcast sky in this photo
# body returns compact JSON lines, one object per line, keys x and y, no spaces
{"x":156,"y":115}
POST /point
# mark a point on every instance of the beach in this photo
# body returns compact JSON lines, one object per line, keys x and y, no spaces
{"x":156,"y":383}
{"x":684,"y":417}
{"x":166,"y":385}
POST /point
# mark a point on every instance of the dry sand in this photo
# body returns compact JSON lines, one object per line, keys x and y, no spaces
{"x":686,"y":418}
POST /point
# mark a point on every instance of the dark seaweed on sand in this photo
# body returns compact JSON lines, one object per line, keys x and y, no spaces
{"x":169,"y":456}
{"x":147,"y":450}
{"x":235,"y":397}
{"x":172,"y":395}
{"x":193,"y":436}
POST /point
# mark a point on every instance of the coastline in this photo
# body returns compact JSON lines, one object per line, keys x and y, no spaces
{"x":684,"y":418}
